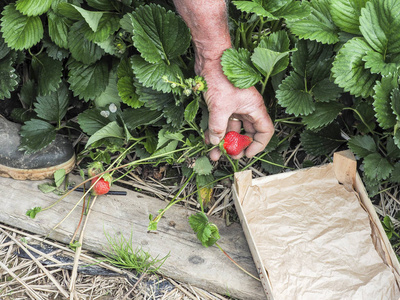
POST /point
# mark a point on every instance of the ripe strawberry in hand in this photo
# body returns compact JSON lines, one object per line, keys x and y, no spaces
{"x":102,"y":186}
{"x":235,"y":143}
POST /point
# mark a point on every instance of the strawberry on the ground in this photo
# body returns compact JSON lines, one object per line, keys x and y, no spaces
{"x":235,"y":143}
{"x":102,"y":186}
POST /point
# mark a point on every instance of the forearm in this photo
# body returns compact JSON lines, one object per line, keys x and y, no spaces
{"x":207,"y":20}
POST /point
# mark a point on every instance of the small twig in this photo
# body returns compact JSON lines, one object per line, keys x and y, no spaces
{"x":78,"y":251}
{"x":134,"y":286}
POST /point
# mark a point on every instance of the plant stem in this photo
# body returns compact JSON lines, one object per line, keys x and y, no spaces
{"x":236,"y":264}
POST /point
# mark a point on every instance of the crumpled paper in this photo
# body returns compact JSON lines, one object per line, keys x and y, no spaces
{"x":315,"y":239}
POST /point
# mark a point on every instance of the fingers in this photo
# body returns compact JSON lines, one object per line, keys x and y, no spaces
{"x":261,"y":132}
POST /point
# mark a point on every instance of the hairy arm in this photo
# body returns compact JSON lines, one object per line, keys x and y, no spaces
{"x":208,"y":23}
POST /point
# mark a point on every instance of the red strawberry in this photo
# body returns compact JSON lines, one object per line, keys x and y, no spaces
{"x":102,"y":186}
{"x":234,"y":143}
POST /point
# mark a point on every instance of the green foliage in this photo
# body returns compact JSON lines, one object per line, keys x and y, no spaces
{"x":207,"y":232}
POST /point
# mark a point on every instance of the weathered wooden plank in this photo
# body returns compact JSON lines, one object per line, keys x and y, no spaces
{"x":189,"y":261}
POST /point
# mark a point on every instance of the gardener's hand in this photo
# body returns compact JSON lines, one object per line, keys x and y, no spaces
{"x":230,"y":108}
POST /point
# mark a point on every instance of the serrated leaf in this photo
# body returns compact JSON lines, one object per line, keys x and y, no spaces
{"x":202,"y":166}
{"x":175,"y":116}
{"x":35,"y":135}
{"x":127,"y":92}
{"x":53,"y":107}
{"x":267,"y":61}
{"x":346,"y":14}
{"x":58,"y":29}
{"x":326,"y":90}
{"x":150,"y":75}
{"x":362,"y":145}
{"x":8,"y":77}
{"x":159,"y":34}
{"x":92,"y":18}
{"x":392,"y":150}
{"x":54,"y":51}
{"x":395,"y":175}
{"x":108,"y":24}
{"x":349,"y":69}
{"x":237,"y":66}
{"x":110,"y":94}
{"x":322,"y":142}
{"x":111,"y":130}
{"x":88,"y":81}
{"x":80,"y":47}
{"x":204,"y":185}
{"x":293,"y":96}
{"x":91,"y":121}
{"x":165,"y":136}
{"x":293,"y":10}
{"x":380,"y":25}
{"x":28,"y":92}
{"x":366,"y":117}
{"x":4,"y":49}
{"x":191,"y":110}
{"x":33,"y":7}
{"x":324,"y":114}
{"x":378,"y":64}
{"x":382,"y":103}
{"x":134,"y":117}
{"x":48,"y":73}
{"x":272,"y":162}
{"x":395,"y":103}
{"x":255,"y":7}
{"x":20,"y":31}
{"x":377,"y":167}
{"x":103,"y":4}
{"x":318,"y":25}
{"x":207,"y":233}
{"x":31,"y":213}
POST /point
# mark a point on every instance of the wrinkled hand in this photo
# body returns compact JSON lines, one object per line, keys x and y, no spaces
{"x":225,"y":101}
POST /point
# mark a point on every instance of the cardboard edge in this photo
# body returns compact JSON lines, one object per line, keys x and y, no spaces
{"x":262,"y":273}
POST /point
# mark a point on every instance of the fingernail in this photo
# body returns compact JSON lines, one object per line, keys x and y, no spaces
{"x":214,"y":140}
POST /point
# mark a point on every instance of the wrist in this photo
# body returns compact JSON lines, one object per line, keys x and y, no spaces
{"x":209,"y":58}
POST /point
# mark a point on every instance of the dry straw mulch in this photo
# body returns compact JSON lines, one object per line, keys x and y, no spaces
{"x":35,"y":268}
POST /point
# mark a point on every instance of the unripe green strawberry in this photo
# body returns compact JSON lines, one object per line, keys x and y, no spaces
{"x":235,"y":143}
{"x":102,"y":186}
{"x":94,"y":168}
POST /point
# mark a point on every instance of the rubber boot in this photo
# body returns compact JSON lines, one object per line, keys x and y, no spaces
{"x":36,"y":166}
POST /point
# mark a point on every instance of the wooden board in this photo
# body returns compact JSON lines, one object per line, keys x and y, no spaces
{"x":189,"y":261}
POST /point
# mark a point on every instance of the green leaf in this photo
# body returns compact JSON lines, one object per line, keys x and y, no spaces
{"x":237,"y":66}
{"x":377,"y":167}
{"x":127,"y":92}
{"x":362,"y":145}
{"x":272,"y":162}
{"x":378,"y":64}
{"x":266,"y":61}
{"x":8,"y":77}
{"x":255,"y":7}
{"x":365,"y":116}
{"x":53,"y":107}
{"x":165,"y":136}
{"x":35,"y":135}
{"x":395,"y":176}
{"x":59,"y":177}
{"x":395,"y":103}
{"x":293,"y":10}
{"x":80,"y":47}
{"x":92,"y":18}
{"x":102,"y":4}
{"x":346,"y":14}
{"x":54,"y":51}
{"x":90,"y":121}
{"x":326,"y":90}
{"x":207,"y":233}
{"x":324,"y":114}
{"x":191,"y":110}
{"x":322,"y":142}
{"x":293,"y":96}
{"x":88,"y":81}
{"x":58,"y":29}
{"x":317,"y":26}
{"x":140,"y":116}
{"x":382,"y":101}
{"x":110,"y":94}
{"x":111,"y":130}
{"x":202,"y":166}
{"x":349,"y":69}
{"x":380,"y":25}
{"x":31,"y":213}
{"x":108,"y":24}
{"x":47,"y":187}
{"x":392,"y":150}
{"x":20,"y":31}
{"x":33,"y":7}
{"x":158,"y":34}
{"x":48,"y":73}
{"x":150,"y":75}
{"x":4,"y":49}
